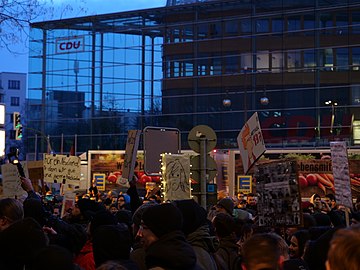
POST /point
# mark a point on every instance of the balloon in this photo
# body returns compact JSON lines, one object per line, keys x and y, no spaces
{"x":112,"y":178}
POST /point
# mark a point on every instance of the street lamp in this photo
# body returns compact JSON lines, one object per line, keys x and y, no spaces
{"x":333,"y":104}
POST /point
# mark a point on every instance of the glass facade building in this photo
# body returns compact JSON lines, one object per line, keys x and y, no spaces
{"x":296,"y":63}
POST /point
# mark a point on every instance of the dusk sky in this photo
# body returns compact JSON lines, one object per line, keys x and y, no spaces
{"x":18,"y":61}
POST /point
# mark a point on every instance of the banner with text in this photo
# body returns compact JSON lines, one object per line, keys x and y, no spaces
{"x":250,"y":142}
{"x":62,"y":169}
{"x":340,"y":167}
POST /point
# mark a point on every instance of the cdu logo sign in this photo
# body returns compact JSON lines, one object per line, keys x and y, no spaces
{"x":70,"y":45}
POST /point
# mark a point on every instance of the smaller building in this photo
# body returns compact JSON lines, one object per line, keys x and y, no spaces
{"x":13,"y":94}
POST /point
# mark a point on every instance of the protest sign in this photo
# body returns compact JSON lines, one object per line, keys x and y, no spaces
{"x":340,"y":168}
{"x":62,"y":169}
{"x":176,"y":176}
{"x":251,"y":142}
{"x":11,"y":183}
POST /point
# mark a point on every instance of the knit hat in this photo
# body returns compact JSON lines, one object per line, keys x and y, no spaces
{"x":227,"y":204}
{"x":103,"y":243}
{"x":193,"y":214}
{"x":102,"y":218}
{"x":136,"y":219}
{"x":224,"y":225}
{"x":162,"y":219}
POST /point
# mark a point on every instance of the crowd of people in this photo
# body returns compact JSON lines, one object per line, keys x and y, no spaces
{"x":125,"y":231}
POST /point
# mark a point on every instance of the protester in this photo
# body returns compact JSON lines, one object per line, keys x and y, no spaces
{"x":344,"y":252}
{"x":298,"y":243}
{"x":261,"y":252}
{"x":112,"y":243}
{"x":85,"y":258}
{"x":164,"y":242}
{"x":138,"y":252}
{"x":225,"y":205}
{"x":228,"y":249}
{"x":197,"y":232}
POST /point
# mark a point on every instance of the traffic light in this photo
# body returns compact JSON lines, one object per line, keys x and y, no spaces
{"x":18,"y":133}
{"x":16,"y":120}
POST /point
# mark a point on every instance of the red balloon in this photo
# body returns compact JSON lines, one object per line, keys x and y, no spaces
{"x":145,"y":178}
{"x":156,"y":179}
{"x":112,"y":178}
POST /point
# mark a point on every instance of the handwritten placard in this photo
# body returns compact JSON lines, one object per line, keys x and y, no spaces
{"x":176,"y":177}
{"x":62,"y":169}
{"x":11,"y":180}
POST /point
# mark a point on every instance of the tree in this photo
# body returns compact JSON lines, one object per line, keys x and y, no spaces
{"x":16,"y":15}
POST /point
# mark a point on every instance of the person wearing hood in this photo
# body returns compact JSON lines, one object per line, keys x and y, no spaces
{"x":164,"y":242}
{"x":197,"y":232}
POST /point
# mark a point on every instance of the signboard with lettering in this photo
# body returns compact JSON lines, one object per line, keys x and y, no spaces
{"x":279,"y":197}
{"x":11,"y":183}
{"x":62,"y":169}
{"x":250,"y":142}
{"x":244,"y":183}
{"x":99,"y":179}
{"x":340,"y":167}
{"x":70,"y":44}
{"x":132,"y":145}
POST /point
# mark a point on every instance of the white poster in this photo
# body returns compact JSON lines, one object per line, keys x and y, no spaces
{"x":11,"y":180}
{"x":62,"y":169}
{"x":176,"y":176}
{"x":251,"y":142}
{"x":340,"y":168}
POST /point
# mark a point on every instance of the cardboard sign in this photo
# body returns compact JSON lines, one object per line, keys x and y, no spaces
{"x":340,"y":167}
{"x":176,"y":177}
{"x":251,"y":142}
{"x":11,"y":183}
{"x":279,"y":196}
{"x":62,"y":169}
{"x":132,"y":145}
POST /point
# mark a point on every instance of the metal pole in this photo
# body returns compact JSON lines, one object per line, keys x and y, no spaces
{"x":203,"y":176}
{"x":75,"y":144}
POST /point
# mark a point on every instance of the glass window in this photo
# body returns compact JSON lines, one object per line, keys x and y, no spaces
{"x":14,"y":84}
{"x":309,"y":60}
{"x":231,"y":64}
{"x":14,"y":101}
{"x":326,"y":59}
{"x":355,"y":59}
{"x":277,"y":25}
{"x":231,"y":27}
{"x":309,"y":25}
{"x":262,"y":26}
{"x":355,"y":22}
{"x":342,"y":59}
{"x":277,"y":62}
{"x":326,"y":23}
{"x":293,"y":61}
{"x":294,"y":23}
{"x":342,"y":23}
{"x":246,"y":26}
{"x":202,"y":31}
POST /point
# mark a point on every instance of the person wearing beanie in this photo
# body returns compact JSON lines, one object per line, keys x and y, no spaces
{"x":113,"y":243}
{"x":197,"y":231}
{"x":19,"y":244}
{"x":85,"y":259}
{"x":225,"y":205}
{"x":228,"y":251}
{"x":138,"y":252}
{"x":164,"y":242}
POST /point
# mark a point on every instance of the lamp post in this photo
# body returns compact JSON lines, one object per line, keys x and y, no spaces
{"x":332,"y":104}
